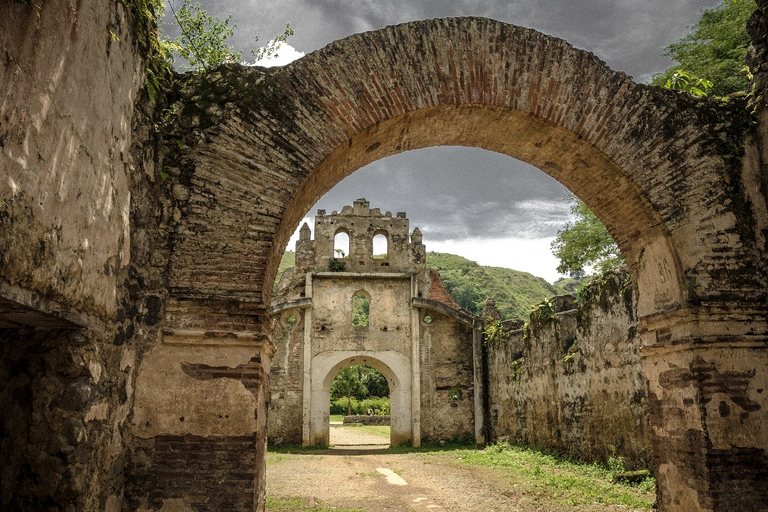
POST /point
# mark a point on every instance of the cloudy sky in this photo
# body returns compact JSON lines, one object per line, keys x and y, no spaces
{"x":494,"y":210}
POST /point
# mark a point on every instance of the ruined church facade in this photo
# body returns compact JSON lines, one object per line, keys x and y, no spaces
{"x":415,"y":334}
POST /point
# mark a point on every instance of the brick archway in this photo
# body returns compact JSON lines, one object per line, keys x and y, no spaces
{"x":260,"y":147}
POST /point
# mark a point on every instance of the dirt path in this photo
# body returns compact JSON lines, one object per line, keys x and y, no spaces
{"x":372,"y":479}
{"x":350,"y":436}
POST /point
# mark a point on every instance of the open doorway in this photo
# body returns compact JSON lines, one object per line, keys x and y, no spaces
{"x":359,"y":407}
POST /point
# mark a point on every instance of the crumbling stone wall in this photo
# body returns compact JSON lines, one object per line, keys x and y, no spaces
{"x":71,"y":78}
{"x":575,"y":384}
{"x":424,"y":350}
{"x":247,"y":151}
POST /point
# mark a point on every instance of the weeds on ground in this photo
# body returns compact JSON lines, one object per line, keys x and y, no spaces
{"x":378,"y":430}
{"x":564,"y":481}
{"x":302,"y":505}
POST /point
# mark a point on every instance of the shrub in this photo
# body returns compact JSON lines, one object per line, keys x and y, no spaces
{"x":379,"y":405}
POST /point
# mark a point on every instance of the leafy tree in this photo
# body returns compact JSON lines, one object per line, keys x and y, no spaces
{"x":374,"y":382}
{"x":714,"y":50}
{"x":348,"y":384}
{"x":585,"y":242}
{"x":203,"y":40}
{"x":359,"y":382}
{"x":360,"y":310}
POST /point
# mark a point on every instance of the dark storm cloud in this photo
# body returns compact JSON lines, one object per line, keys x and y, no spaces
{"x":456,"y":192}
{"x":461,"y":193}
{"x":627,"y":34}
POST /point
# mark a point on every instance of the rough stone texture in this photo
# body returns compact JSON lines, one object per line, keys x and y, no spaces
{"x":69,"y":89}
{"x":66,"y":106}
{"x":247,"y":151}
{"x":575,"y":385}
{"x":423,"y":361}
{"x":65,"y":397}
{"x":364,"y":419}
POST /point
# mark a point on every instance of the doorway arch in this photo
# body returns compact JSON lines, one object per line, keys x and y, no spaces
{"x":649,"y":163}
{"x":395,"y":367}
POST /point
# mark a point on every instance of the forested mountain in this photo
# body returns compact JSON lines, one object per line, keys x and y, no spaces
{"x":470,"y":284}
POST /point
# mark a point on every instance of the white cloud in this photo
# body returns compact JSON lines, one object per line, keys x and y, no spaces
{"x":524,"y":254}
{"x":285,"y":54}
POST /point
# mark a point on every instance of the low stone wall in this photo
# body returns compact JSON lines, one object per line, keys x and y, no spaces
{"x":367,"y":420}
{"x":574,"y":383}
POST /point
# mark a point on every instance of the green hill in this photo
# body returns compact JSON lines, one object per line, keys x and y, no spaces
{"x":470,"y":284}
{"x":570,"y":285}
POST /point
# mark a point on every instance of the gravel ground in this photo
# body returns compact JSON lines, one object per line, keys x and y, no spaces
{"x":365,"y":476}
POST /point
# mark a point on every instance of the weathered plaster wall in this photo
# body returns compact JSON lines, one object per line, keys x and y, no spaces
{"x":575,"y":385}
{"x":428,"y":364}
{"x":71,"y":74}
{"x":447,"y":378}
{"x":285,"y":385}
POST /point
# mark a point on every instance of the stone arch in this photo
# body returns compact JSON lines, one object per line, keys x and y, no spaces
{"x":645,"y":160}
{"x":395,"y":368}
{"x":649,"y":162}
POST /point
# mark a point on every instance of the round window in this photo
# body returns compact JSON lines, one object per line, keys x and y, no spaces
{"x":289,"y":319}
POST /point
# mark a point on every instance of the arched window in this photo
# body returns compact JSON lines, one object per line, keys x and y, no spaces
{"x":380,"y":246}
{"x":361,"y":310}
{"x":341,"y":244}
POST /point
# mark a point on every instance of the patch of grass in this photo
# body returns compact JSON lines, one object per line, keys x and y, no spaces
{"x":378,"y":430}
{"x":302,"y":505}
{"x":556,"y":479}
{"x":337,"y":417}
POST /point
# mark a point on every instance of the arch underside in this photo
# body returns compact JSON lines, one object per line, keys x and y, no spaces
{"x":644,"y":160}
{"x":649,"y":162}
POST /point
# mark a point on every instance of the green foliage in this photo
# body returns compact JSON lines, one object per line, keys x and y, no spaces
{"x":616,"y":463}
{"x":335,"y":265}
{"x":470,"y":284}
{"x":358,"y":383}
{"x":570,"y":285}
{"x":360,"y":310}
{"x":380,"y":406}
{"x":144,"y":17}
{"x":493,"y":333}
{"x":543,"y":313}
{"x":682,"y":81}
{"x":557,"y":480}
{"x":203,"y":40}
{"x":585,"y":242}
{"x":517,"y":368}
{"x":716,"y":48}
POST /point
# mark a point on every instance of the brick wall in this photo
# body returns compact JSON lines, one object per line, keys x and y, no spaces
{"x":208,"y":474}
